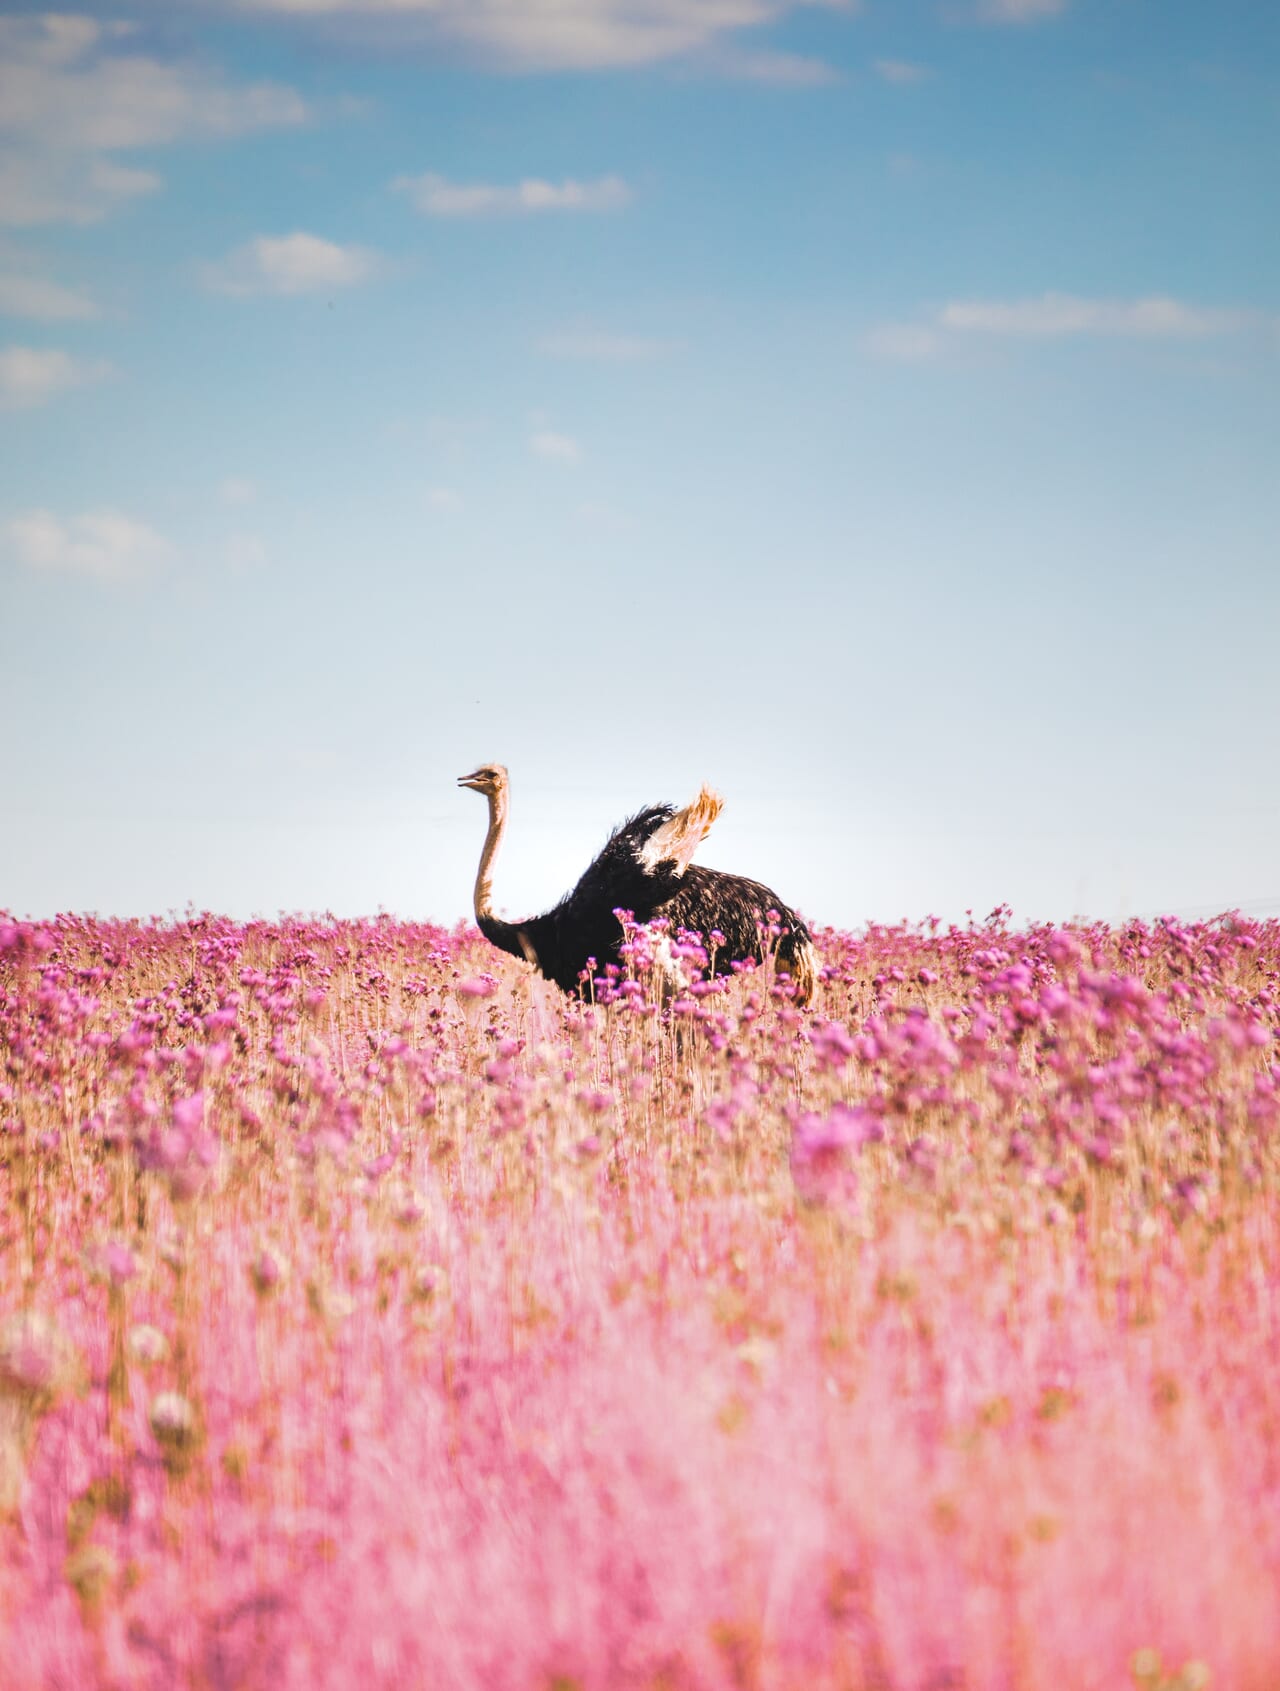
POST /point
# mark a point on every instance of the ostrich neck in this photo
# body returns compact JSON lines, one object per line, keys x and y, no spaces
{"x":492,"y":846}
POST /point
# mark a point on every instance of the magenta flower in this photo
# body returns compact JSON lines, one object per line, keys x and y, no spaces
{"x":188,"y":1113}
{"x":33,"y":1355}
{"x":113,"y":1262}
{"x":824,"y":1148}
{"x":267,"y":1270}
{"x":832,"y":1045}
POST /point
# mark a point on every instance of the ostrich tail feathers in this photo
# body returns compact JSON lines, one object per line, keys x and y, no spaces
{"x":803,"y":964}
{"x":676,"y":840}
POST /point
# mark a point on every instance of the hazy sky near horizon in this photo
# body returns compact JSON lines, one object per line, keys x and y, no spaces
{"x":871,"y":409}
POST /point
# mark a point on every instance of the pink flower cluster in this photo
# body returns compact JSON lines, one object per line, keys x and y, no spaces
{"x":372,"y":1313}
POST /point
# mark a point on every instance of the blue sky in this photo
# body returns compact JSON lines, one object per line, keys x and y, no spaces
{"x":871,"y":410}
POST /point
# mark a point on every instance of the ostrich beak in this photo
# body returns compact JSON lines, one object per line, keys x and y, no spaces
{"x":473,"y":781}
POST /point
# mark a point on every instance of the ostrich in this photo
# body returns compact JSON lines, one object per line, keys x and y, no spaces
{"x":645,"y":867}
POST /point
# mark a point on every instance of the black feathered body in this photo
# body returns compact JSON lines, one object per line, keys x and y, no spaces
{"x":709,"y":900}
{"x":583,"y":925}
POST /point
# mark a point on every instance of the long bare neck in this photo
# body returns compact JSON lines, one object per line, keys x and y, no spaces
{"x":492,"y":845}
{"x":505,"y":935}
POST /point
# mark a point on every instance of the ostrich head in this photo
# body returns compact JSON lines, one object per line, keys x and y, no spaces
{"x":490,"y":779}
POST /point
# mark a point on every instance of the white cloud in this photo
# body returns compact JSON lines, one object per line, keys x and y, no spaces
{"x":1056,"y":316}
{"x":443,"y":499}
{"x":597,"y":346}
{"x":901,"y":72}
{"x":32,"y":375}
{"x":437,"y":197}
{"x":291,"y":264}
{"x":557,"y":448}
{"x":902,"y":343}
{"x":776,"y":70}
{"x":24,"y":294}
{"x":557,"y":34}
{"x":104,"y":545}
{"x":63,"y":82}
{"x":47,"y":187}
{"x":1019,"y":11}
{"x":112,"y":181}
{"x":73,"y":91}
{"x":245,"y":552}
{"x":237,"y":490}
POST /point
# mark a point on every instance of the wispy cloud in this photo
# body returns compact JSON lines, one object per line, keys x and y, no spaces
{"x":557,"y":448}
{"x":555,"y":34}
{"x":237,"y":490}
{"x":901,"y":72}
{"x":1052,"y":317}
{"x":1019,"y":11}
{"x":66,"y":187}
{"x":104,"y":545}
{"x":244,"y":552}
{"x":291,"y":264}
{"x":902,"y":343}
{"x":31,"y":376}
{"x":436,"y":196}
{"x":67,"y":82}
{"x":774,"y":69}
{"x":25,"y":293}
{"x":443,"y":499}
{"x":598,"y":346}
{"x":74,"y":91}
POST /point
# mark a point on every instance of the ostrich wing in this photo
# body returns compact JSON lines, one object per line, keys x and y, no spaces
{"x":643,"y":862}
{"x":672,"y":845}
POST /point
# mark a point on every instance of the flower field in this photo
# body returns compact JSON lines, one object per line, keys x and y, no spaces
{"x":371,"y":1315}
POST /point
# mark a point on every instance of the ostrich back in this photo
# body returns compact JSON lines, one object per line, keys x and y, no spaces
{"x":583,"y":926}
{"x":708,"y":900}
